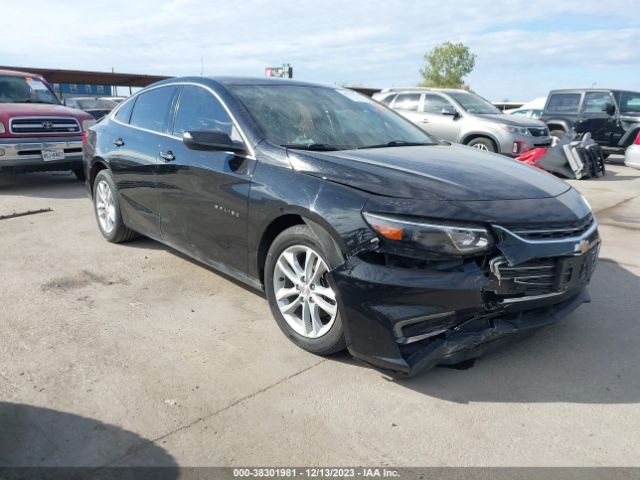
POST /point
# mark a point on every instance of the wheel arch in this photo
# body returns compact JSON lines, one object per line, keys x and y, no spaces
{"x":325,"y":233}
{"x":97,"y":165}
{"x":473,"y":135}
{"x":556,"y":124}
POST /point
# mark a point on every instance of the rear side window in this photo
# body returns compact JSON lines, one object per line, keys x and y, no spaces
{"x":151,"y":110}
{"x":124,"y":112}
{"x":594,"y":102}
{"x":387,"y":100}
{"x":407,"y":101}
{"x":435,"y":104}
{"x":564,"y":102}
{"x":200,"y":110}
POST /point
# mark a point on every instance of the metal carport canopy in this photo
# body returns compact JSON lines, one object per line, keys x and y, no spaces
{"x":54,"y":75}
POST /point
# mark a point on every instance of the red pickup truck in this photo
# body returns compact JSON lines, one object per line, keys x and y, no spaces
{"x":37,"y":132}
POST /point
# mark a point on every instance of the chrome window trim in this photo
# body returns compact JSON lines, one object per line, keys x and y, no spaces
{"x":112,"y":115}
{"x":41,"y":117}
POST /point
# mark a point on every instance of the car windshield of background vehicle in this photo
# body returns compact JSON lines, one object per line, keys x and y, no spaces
{"x":15,"y":89}
{"x":96,"y":104}
{"x":474,"y":104}
{"x":629,"y":102}
{"x":326,"y":118}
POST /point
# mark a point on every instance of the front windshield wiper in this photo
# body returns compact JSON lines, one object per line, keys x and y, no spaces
{"x":320,"y":147}
{"x":397,"y":143}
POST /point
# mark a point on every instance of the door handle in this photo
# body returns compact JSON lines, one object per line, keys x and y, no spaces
{"x":118,"y":142}
{"x":168,"y":156}
{"x":424,"y":120}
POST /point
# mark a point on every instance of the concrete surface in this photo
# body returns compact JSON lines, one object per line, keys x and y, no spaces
{"x":134,"y":355}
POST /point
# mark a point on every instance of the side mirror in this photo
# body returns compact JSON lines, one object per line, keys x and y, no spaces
{"x":449,"y":111}
{"x":610,"y":108}
{"x":214,"y":140}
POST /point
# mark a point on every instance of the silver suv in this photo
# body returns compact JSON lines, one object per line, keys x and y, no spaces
{"x":463,"y":117}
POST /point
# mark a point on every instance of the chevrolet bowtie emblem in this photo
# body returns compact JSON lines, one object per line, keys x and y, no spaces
{"x":582,"y":247}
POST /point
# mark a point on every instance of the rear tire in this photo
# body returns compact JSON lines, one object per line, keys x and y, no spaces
{"x":107,"y":208}
{"x":307,"y":302}
{"x":482,"y":143}
{"x":557,"y":133}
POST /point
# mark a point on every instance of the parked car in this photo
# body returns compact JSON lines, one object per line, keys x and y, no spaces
{"x":463,"y":117}
{"x":632,"y":154}
{"x":114,"y":99}
{"x":363,"y":231}
{"x":535,"y":113}
{"x":611,"y":116}
{"x":97,"y":107}
{"x":38,"y":133}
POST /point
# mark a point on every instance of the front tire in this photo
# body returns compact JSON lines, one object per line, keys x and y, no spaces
{"x":484,"y":144}
{"x":107,"y":209}
{"x":559,"y":134}
{"x":301,"y":299}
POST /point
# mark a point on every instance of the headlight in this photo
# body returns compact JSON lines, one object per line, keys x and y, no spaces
{"x":87,"y":124}
{"x":434,"y":237}
{"x":518,"y":130}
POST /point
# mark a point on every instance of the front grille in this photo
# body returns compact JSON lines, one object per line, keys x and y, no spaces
{"x":538,"y":131}
{"x":536,"y":277}
{"x":541,"y":276}
{"x":550,"y":232}
{"x":44,"y":125}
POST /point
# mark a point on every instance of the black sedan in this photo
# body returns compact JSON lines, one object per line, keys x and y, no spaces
{"x":364,"y":232}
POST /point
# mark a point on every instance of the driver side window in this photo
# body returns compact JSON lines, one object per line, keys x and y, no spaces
{"x":198,"y":109}
{"x":435,"y":104}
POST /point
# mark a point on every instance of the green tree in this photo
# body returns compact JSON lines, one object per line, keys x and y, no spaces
{"x":446,"y":65}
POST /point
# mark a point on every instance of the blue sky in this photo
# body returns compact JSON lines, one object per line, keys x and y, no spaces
{"x":524,"y":48}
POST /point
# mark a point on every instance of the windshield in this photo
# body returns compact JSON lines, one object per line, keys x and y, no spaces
{"x":629,"y":102}
{"x":473,"y":103}
{"x":96,"y":104}
{"x":321,"y":118}
{"x":15,"y":89}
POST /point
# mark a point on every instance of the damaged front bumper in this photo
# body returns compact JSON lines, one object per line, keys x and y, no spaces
{"x":407,"y":319}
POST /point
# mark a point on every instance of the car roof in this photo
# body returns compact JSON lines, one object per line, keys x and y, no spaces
{"x":422,"y":89}
{"x":231,"y":80}
{"x":580,"y":90}
{"x":17,"y":73}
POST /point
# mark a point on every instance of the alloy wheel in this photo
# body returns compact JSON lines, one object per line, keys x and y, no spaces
{"x":304,"y":297}
{"x":105,"y":207}
{"x":481,"y":146}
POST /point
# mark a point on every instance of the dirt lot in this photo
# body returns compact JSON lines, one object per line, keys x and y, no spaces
{"x":134,"y":355}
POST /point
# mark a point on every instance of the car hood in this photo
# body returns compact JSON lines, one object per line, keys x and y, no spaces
{"x":438,"y":172}
{"x":39,"y":109}
{"x":512,"y":120}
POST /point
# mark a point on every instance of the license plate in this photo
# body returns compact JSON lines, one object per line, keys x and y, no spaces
{"x":52,"y":154}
